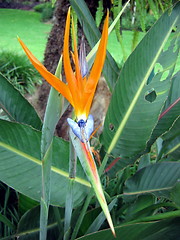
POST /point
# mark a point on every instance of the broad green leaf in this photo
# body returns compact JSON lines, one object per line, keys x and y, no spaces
{"x":158,"y":179}
{"x":165,"y":229}
{"x":172,"y":148}
{"x":170,"y":112}
{"x":117,"y":164}
{"x":28,"y":226}
{"x":16,"y":106}
{"x":171,"y":142}
{"x":140,"y":92}
{"x":174,"y":131}
{"x":20,"y":165}
{"x":25,"y":203}
{"x":134,"y":210}
{"x":175,"y":193}
{"x":144,"y":161}
{"x":111,"y":70}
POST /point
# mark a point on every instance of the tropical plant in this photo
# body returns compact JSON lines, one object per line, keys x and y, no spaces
{"x":139,"y":16}
{"x":19,"y":71}
{"x":141,"y":191}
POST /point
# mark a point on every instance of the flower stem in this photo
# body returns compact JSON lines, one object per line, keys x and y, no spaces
{"x":69,"y":196}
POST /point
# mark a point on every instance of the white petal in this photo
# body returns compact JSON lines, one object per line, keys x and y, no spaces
{"x":75,"y":128}
{"x":89,"y":128}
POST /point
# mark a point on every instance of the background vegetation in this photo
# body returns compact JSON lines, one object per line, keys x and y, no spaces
{"x":138,"y":148}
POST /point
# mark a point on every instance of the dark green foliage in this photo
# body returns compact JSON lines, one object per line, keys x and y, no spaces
{"x":9,"y":217}
{"x":41,"y":6}
{"x":47,"y":14}
{"x":18,"y":70}
{"x":46,"y":9}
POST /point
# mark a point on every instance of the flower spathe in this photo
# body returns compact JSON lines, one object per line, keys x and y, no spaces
{"x":79,"y":90}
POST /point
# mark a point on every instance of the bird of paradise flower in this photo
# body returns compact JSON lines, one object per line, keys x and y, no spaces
{"x":79,"y":91}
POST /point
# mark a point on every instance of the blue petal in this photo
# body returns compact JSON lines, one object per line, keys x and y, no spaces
{"x":82,"y":129}
{"x":75,"y":128}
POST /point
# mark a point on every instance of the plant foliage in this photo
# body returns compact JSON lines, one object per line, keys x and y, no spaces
{"x":141,"y":190}
{"x":19,"y":71}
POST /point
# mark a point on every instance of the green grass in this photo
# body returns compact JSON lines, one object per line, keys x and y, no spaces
{"x":114,"y":46}
{"x":26,"y":25}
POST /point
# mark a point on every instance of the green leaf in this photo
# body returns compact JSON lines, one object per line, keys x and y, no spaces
{"x":158,"y":179}
{"x":95,"y":226}
{"x":170,"y":111}
{"x":99,"y":13}
{"x":25,"y":203}
{"x":111,"y":70}
{"x":88,"y":219}
{"x":6,"y":221}
{"x":20,"y":165}
{"x":134,"y":210}
{"x":171,"y":142}
{"x":144,"y":161}
{"x":133,"y":111}
{"x":165,"y":229}
{"x":56,"y":106}
{"x":16,"y":106}
{"x":141,"y":9}
{"x":175,"y":193}
{"x":154,"y":8}
{"x":172,"y":148}
{"x":68,"y":208}
{"x":54,"y":109}
{"x":28,"y":226}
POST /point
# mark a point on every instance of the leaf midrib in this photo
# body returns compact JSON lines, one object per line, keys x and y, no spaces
{"x":147,"y":191}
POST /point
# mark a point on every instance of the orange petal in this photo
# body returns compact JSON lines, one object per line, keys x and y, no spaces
{"x":70,"y":77}
{"x":55,"y":82}
{"x":76,"y":59}
{"x":97,"y":67}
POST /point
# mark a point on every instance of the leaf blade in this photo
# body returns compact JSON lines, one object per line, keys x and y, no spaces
{"x":130,"y":117}
{"x":16,"y":106}
{"x":158,"y":179}
{"x":20,"y":162}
